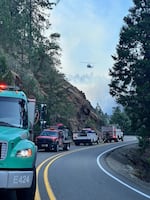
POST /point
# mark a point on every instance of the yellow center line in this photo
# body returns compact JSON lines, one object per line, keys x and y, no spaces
{"x":46,"y":181}
{"x":37,"y":194}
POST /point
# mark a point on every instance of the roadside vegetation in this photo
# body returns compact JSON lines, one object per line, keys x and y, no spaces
{"x":30,"y":55}
{"x":130,"y":74}
{"x":34,"y":58}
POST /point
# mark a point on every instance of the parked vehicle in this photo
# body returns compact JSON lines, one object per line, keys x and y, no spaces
{"x":17,"y":152}
{"x":53,"y":138}
{"x":85,"y":136}
{"x":111,"y":133}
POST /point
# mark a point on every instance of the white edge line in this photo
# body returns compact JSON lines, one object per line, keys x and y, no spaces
{"x":115,"y":178}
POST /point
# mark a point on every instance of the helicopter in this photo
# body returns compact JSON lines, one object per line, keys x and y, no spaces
{"x":89,"y":65}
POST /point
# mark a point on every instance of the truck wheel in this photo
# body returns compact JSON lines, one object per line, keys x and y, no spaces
{"x":66,"y":147}
{"x":27,"y":193}
{"x":77,"y":144}
{"x":56,"y":148}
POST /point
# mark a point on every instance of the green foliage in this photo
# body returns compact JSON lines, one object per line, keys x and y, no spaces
{"x":104,"y":118}
{"x":8,"y":78}
{"x":120,"y":118}
{"x":3,"y":66}
{"x":5,"y":73}
{"x":34,"y":57}
{"x":144,"y":143}
{"x":130,"y":75}
{"x":90,"y":123}
{"x":22,"y":24}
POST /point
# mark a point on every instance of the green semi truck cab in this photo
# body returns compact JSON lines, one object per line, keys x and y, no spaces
{"x":17,"y":152}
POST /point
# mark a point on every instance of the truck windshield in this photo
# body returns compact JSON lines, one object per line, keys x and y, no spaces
{"x":83,"y":133}
{"x":49,"y":133}
{"x":11,"y":112}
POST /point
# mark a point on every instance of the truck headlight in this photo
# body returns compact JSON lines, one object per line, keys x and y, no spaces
{"x":24,"y":153}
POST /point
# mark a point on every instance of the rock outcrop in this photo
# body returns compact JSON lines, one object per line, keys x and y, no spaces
{"x":85,"y":114}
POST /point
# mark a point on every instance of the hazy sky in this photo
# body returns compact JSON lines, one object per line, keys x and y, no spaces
{"x":89,"y":34}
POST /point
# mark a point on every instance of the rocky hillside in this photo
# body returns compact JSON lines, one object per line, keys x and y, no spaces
{"x":84,"y":115}
{"x":84,"y":112}
{"x":31,"y":59}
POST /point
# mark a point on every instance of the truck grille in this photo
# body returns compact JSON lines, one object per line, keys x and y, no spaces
{"x":3,"y":150}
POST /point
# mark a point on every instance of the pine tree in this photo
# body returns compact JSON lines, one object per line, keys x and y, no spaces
{"x":22,"y":24}
{"x":130,"y":74}
{"x":120,"y":118}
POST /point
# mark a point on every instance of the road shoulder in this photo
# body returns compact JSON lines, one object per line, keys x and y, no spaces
{"x":119,"y":162}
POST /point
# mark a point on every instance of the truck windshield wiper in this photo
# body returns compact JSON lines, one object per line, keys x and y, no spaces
{"x":6,"y":124}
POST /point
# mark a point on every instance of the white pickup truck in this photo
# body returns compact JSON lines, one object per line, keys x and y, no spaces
{"x":85,"y":136}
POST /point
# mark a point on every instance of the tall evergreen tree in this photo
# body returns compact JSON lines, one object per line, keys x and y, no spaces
{"x":130,"y":75}
{"x":22,"y":23}
{"x":120,"y":118}
{"x":104,"y":117}
{"x":22,"y":27}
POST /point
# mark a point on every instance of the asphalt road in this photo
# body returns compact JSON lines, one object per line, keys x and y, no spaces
{"x":79,"y":175}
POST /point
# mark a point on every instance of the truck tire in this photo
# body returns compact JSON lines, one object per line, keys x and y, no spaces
{"x":90,"y":143}
{"x":27,"y":193}
{"x":77,"y":143}
{"x":56,"y":148}
{"x":66,"y":147}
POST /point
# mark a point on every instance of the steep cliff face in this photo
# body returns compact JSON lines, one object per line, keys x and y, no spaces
{"x":85,"y":114}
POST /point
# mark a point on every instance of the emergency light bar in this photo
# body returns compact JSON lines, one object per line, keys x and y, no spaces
{"x":4,"y":86}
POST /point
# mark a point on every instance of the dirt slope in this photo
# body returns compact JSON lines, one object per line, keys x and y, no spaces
{"x":131,"y":163}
